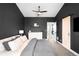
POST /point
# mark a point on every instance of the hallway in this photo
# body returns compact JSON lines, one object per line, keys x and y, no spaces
{"x":45,"y":48}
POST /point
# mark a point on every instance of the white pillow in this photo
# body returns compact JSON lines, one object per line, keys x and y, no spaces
{"x":24,"y":38}
{"x":9,"y":38}
{"x":1,"y":47}
{"x":15,"y":44}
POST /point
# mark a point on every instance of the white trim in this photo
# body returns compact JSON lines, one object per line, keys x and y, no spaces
{"x":69,"y":49}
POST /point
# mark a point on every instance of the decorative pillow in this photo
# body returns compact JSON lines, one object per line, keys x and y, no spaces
{"x":1,"y":47}
{"x":6,"y":46}
{"x":15,"y":44}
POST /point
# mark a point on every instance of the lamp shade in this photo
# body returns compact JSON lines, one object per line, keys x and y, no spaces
{"x":21,"y":31}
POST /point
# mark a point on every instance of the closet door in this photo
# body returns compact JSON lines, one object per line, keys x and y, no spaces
{"x":66,"y":36}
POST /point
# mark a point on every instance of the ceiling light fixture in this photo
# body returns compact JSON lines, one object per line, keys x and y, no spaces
{"x":39,"y":12}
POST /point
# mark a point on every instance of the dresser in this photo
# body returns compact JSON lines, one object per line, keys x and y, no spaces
{"x":37,"y":35}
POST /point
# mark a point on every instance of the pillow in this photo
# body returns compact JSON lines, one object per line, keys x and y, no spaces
{"x":9,"y":38}
{"x":6,"y":46}
{"x":1,"y":47}
{"x":15,"y":44}
{"x":24,"y":38}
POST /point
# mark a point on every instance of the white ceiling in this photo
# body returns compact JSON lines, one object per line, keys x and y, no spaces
{"x":52,"y":8}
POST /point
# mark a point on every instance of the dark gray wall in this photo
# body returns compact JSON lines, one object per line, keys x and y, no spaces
{"x":42,"y":21}
{"x":71,"y":9}
{"x":59,"y":30}
{"x":11,"y":20}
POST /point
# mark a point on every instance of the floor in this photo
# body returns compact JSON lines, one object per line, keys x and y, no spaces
{"x":45,"y":48}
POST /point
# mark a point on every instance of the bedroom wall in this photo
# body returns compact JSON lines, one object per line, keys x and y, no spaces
{"x":42,"y":21}
{"x":11,"y":20}
{"x":73,"y":10}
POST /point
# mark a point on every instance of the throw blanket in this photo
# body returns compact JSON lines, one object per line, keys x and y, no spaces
{"x":29,"y":50}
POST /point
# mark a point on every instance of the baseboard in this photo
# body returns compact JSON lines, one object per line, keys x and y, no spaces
{"x":69,"y":49}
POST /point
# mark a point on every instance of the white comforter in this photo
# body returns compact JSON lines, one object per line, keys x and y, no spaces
{"x":16,"y":52}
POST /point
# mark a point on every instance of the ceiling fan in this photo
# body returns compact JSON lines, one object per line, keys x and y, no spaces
{"x":39,"y":11}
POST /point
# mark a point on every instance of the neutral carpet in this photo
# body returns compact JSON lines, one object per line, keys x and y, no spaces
{"x":44,"y":48}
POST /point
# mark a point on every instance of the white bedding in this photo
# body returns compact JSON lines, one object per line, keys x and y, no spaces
{"x":18,"y":51}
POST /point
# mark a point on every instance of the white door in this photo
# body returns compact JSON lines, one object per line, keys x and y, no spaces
{"x":66,"y":32}
{"x":51,"y":26}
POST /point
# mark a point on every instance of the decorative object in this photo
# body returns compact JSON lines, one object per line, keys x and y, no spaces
{"x":36,"y":25}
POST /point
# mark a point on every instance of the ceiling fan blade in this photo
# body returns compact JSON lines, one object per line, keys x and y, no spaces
{"x":35,"y":11}
{"x":39,"y":11}
{"x":42,"y":11}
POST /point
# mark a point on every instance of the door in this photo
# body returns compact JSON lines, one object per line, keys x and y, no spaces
{"x":51,"y":30}
{"x":66,"y":32}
